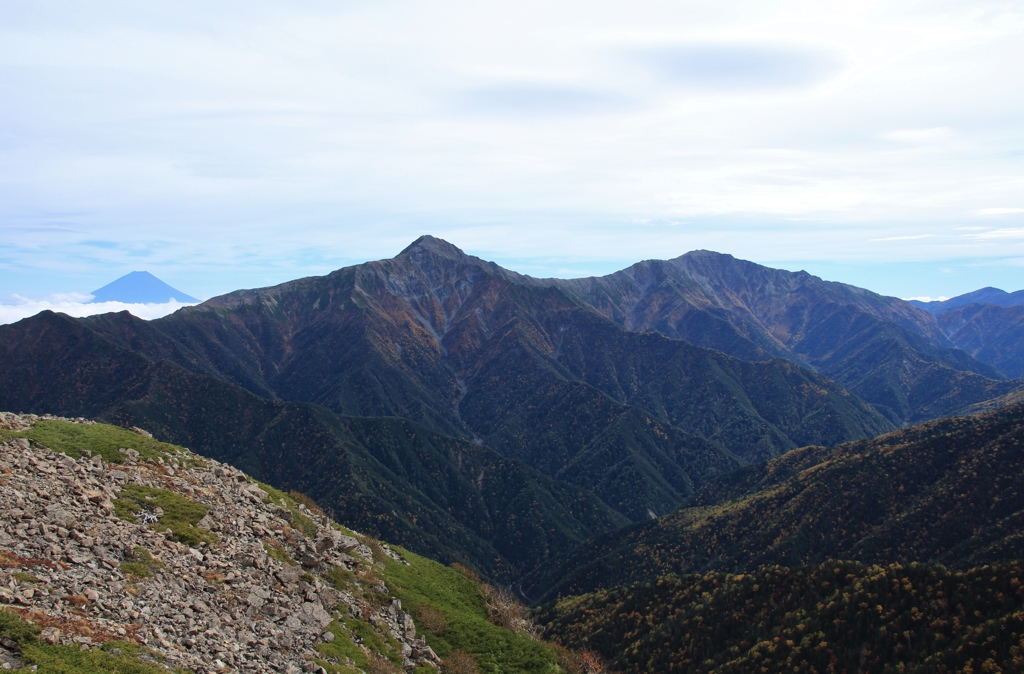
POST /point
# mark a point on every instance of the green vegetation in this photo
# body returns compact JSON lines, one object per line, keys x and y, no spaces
{"x":451,"y":607}
{"x":832,"y":617}
{"x":101,"y":439}
{"x":378,"y":641}
{"x":948,"y":492}
{"x":300,"y":521}
{"x":349,"y":631}
{"x":180,"y":514}
{"x":341,"y":578}
{"x":116,"y":657}
{"x":141,"y":564}
{"x":342,"y":649}
{"x":464,"y":624}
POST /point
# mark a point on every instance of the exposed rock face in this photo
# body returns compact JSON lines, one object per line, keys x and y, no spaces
{"x":77,"y":569}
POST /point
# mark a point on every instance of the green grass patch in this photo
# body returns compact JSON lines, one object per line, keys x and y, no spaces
{"x":341,"y":578}
{"x":300,"y":521}
{"x":426,"y":588}
{"x":342,"y":648}
{"x":13,"y":627}
{"x":378,"y":642}
{"x":180,"y":514}
{"x":141,"y":564}
{"x":102,"y":439}
{"x":117,"y":657}
{"x":344,"y":645}
{"x":22,"y":577}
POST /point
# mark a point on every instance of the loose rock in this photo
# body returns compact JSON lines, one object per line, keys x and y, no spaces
{"x":222,"y":606}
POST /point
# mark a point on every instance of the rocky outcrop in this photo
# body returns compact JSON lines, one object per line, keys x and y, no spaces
{"x":247,"y":587}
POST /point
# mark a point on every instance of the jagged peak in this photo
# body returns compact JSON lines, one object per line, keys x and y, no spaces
{"x":433,"y":245}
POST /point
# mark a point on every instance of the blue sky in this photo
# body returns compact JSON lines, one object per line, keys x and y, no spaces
{"x":222,"y":145}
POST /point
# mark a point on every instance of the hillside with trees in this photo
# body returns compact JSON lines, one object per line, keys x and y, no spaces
{"x":948,"y":492}
{"x":830,"y":617}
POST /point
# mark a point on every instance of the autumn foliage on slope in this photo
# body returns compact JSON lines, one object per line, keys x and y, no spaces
{"x":832,"y":617}
{"x":949,"y":492}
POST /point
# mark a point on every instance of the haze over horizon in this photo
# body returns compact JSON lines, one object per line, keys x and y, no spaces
{"x":234,"y":146}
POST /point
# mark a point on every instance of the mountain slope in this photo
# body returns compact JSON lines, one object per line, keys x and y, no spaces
{"x":833,"y":617}
{"x":949,"y":492}
{"x":990,"y":333}
{"x":888,"y":352}
{"x":122,"y":554}
{"x":139,"y":287}
{"x":449,"y":498}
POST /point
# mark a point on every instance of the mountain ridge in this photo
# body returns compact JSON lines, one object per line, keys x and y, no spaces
{"x":888,"y":352}
{"x":394,"y":337}
{"x":987,"y":295}
{"x":445,"y":356}
{"x":947,"y":492}
{"x":688,"y":298}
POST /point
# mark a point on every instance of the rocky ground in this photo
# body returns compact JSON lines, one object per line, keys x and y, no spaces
{"x":248,"y":591}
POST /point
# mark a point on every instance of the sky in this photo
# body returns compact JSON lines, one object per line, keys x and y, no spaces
{"x":225,"y":145}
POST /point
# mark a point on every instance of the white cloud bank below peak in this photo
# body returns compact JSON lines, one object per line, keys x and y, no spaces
{"x":78,"y":306}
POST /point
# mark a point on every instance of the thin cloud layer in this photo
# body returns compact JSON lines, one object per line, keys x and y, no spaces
{"x":742,"y":67}
{"x":535,"y":99}
{"x":229,"y":145}
{"x":920,"y":136}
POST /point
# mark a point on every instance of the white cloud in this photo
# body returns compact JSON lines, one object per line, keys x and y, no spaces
{"x":908,"y":237}
{"x":1007,"y":233}
{"x":210,"y":139}
{"x":925,"y":298}
{"x":74,"y":304}
{"x":1000,"y":211}
{"x":922,"y":136}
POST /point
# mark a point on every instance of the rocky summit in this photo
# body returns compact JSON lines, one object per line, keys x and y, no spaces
{"x":185,"y":562}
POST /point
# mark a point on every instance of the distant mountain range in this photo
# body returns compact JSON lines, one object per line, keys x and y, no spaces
{"x":984,"y":296}
{"x":883,"y":349}
{"x":466,"y":411}
{"x":140,"y":287}
{"x":988,"y":324}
